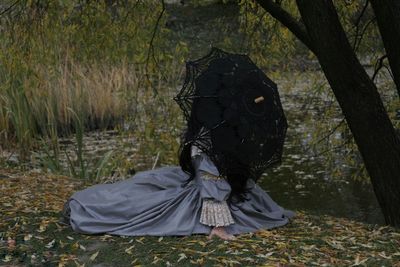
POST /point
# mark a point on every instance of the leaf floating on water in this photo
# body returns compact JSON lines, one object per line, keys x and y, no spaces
{"x":299,"y":186}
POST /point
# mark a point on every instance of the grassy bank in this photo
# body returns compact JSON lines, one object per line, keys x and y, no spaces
{"x":31,"y":235}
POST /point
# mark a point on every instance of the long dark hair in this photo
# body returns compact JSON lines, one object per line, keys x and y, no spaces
{"x":236,"y":173}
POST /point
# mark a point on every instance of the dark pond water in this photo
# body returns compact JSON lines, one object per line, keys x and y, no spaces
{"x":301,"y":184}
{"x":321,"y":183}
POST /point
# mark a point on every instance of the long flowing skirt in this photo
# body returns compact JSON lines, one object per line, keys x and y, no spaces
{"x":156,"y":203}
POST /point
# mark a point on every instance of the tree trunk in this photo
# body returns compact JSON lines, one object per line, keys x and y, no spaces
{"x":360,"y":102}
{"x":387,"y":14}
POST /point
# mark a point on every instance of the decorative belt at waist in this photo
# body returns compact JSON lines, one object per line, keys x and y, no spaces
{"x":209,"y":176}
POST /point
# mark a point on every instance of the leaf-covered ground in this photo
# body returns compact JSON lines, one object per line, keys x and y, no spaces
{"x":31,"y":234}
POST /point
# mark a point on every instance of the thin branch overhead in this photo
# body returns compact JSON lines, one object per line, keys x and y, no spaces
{"x":359,"y":36}
{"x":150,"y":51}
{"x":378,"y":66}
{"x":295,"y":26}
{"x":7,"y":9}
{"x":357,"y":26}
{"x":327,"y":135}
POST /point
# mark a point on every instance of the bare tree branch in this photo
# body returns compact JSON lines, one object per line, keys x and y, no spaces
{"x":150,"y":51}
{"x":389,"y":70}
{"x":378,"y":66}
{"x":357,"y":25}
{"x":326,"y":136}
{"x":296,"y":27}
{"x":254,"y":30}
{"x":362,"y":13}
{"x":9,"y":8}
{"x":346,"y":142}
{"x":359,"y":36}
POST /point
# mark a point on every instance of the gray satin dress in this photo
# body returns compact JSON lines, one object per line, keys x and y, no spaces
{"x":155,"y":203}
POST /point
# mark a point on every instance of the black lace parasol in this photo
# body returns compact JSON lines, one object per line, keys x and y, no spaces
{"x":238,"y":110}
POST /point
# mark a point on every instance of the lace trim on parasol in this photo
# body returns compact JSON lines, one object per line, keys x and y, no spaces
{"x":215,"y":213}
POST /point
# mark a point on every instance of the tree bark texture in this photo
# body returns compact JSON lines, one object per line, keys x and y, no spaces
{"x":356,"y":94}
{"x":360,"y":102}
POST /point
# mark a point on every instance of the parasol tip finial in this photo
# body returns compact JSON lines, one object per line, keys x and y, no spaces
{"x":258,"y":99}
